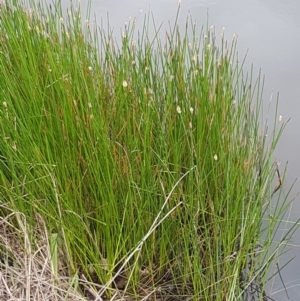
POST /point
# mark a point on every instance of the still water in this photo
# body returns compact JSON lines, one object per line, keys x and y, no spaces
{"x":268,"y":30}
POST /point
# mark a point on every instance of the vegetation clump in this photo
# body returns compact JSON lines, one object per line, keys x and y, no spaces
{"x":136,"y":169}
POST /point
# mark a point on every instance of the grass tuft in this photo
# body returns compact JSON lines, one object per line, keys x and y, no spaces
{"x":137,"y":168}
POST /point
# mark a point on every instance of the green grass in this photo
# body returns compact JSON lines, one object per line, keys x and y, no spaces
{"x":146,"y":160}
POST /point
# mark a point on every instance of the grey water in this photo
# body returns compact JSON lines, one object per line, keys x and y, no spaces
{"x":268,"y":31}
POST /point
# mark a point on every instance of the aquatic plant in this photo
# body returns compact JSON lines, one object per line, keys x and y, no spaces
{"x":138,"y":168}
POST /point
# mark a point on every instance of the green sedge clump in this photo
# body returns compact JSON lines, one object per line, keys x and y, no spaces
{"x":144,"y":161}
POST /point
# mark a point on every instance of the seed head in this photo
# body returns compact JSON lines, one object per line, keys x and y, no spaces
{"x":125,"y":84}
